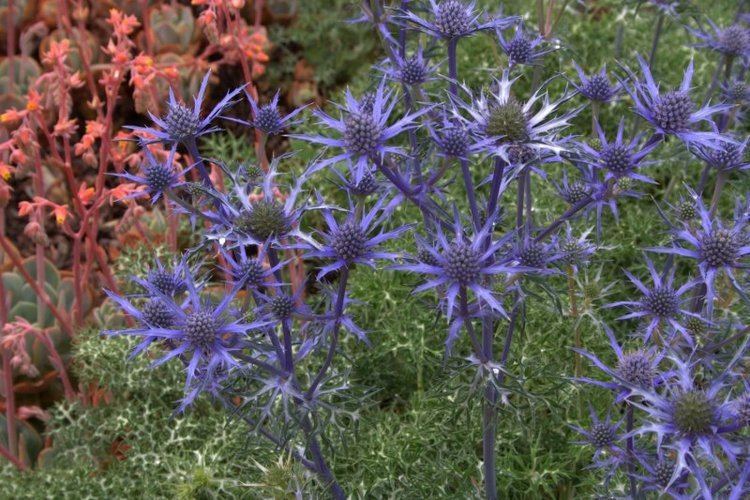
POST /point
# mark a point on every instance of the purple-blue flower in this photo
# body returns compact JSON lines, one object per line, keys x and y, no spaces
{"x":596,"y":87}
{"x":522,"y":49}
{"x":182,"y":123}
{"x":726,"y":156}
{"x":205,"y":336}
{"x":732,"y":41}
{"x":461,"y":263}
{"x":619,"y":158}
{"x":715,"y":246}
{"x":267,"y":118}
{"x":349,"y":242}
{"x":635,"y":369}
{"x":411,"y":70}
{"x":157,"y":176}
{"x":364,"y":133}
{"x":673,"y":112}
{"x":498,"y":114}
{"x":455,"y":19}
{"x":659,"y":304}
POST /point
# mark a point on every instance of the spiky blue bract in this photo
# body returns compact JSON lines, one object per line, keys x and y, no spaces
{"x":673,"y":112}
{"x":450,"y":19}
{"x":364,"y":132}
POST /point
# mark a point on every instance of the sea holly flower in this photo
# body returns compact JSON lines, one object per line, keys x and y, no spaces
{"x":248,"y":271}
{"x":260,"y":219}
{"x":454,"y":139}
{"x":512,"y":123}
{"x":532,"y":257}
{"x":688,"y":416}
{"x":716,"y":247}
{"x":736,"y":92}
{"x":166,"y":280}
{"x":673,"y":112}
{"x":204,"y":335}
{"x":522,"y":49}
{"x":635,"y":369}
{"x":411,"y":71}
{"x":572,"y":191}
{"x":183,"y":124}
{"x":454,"y":19}
{"x":659,"y":304}
{"x":266,"y":118}
{"x":619,"y":158}
{"x":659,"y":473}
{"x":460,"y":264}
{"x":575,"y":250}
{"x":732,"y":41}
{"x":157,"y":176}
{"x":726,"y":156}
{"x":596,"y":87}
{"x":603,"y":435}
{"x":349,"y":242}
{"x":365,"y":135}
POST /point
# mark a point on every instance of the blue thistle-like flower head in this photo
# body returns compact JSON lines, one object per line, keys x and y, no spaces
{"x":183,"y":123}
{"x":203,"y":335}
{"x":673,"y":112}
{"x":512,"y":123}
{"x":522,"y":49}
{"x":460,"y":264}
{"x":575,"y":250}
{"x":732,"y":41}
{"x":156,"y":175}
{"x":635,"y":370}
{"x":412,"y":71}
{"x":263,"y":218}
{"x":596,"y":87}
{"x":726,"y":156}
{"x":660,"y":303}
{"x":267,"y":118}
{"x":619,"y":158}
{"x":451,"y":19}
{"x":715,"y":246}
{"x":364,"y":134}
{"x":349,"y":242}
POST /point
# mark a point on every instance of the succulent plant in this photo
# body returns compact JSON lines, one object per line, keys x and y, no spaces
{"x":174,"y":29}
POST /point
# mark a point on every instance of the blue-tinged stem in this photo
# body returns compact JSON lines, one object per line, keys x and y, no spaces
{"x":453,"y":66}
{"x":192,"y":149}
{"x":631,"y":451}
{"x":463,"y":304}
{"x":655,"y":41}
{"x":470,"y":193}
{"x":329,"y":480}
{"x":519,"y":201}
{"x":338,"y":312}
{"x":497,"y":181}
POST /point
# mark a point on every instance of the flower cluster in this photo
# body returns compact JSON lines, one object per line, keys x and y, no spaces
{"x":463,"y":166}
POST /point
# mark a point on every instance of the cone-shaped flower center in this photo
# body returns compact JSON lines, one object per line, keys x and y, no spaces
{"x":200,"y":329}
{"x":662,"y":302}
{"x":693,"y":413}
{"x":181,"y":122}
{"x":362,"y":134}
{"x":635,"y":368}
{"x":462,"y":264}
{"x":158,"y":314}
{"x":719,"y":248}
{"x":451,"y":18}
{"x":672,"y":112}
{"x":508,"y":120}
{"x":349,"y":241}
{"x":266,"y":218}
